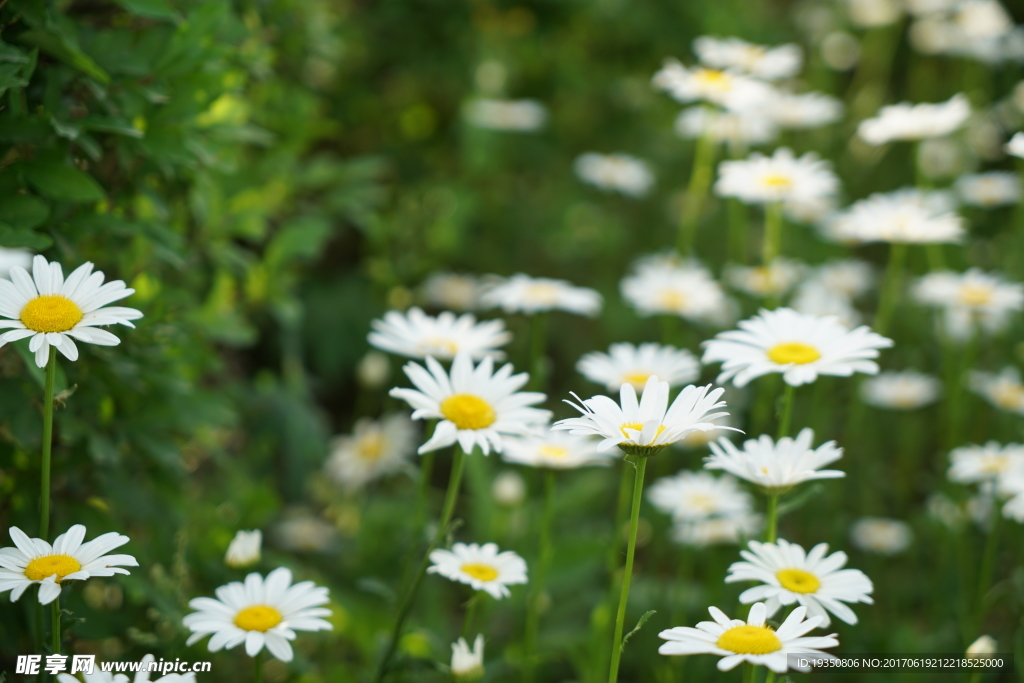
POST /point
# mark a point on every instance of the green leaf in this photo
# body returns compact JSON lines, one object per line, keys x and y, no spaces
{"x":23,"y":211}
{"x":639,"y":625}
{"x":59,"y":46}
{"x":10,"y":78}
{"x":58,"y":181}
{"x":14,"y":238}
{"x":801,"y":499}
{"x":151,"y":9}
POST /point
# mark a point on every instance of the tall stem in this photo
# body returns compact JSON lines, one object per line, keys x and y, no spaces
{"x":44,"y":494}
{"x":539,"y":577}
{"x":696,"y":191}
{"x":467,"y":619}
{"x":787,"y":411}
{"x":620,"y":617}
{"x":538,"y":344}
{"x":988,"y":564}
{"x":772,"y":246}
{"x":259,"y":666}
{"x":447,"y":511}
{"x":891,"y":286}
{"x":772,"y":523}
{"x":55,"y":612}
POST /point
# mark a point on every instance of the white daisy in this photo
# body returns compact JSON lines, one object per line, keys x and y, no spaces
{"x":373,"y":369}
{"x":1005,"y":390}
{"x":791,"y":575}
{"x":725,"y":429}
{"x":819,"y":302}
{"x":508,"y":489}
{"x":809,"y":210}
{"x":685,"y":289}
{"x":453,"y":291}
{"x":728,"y":89}
{"x":984,"y":646}
{"x":627,"y":363}
{"x":799,"y":346}
{"x":617,"y":172}
{"x":806,"y":110}
{"x":244,"y":549}
{"x":520,"y":116}
{"x":375,"y":449}
{"x":871,"y":13}
{"x":881,"y":535}
{"x":480,"y":566}
{"x":142,"y":676}
{"x":260,"y":612}
{"x":53,"y":310}
{"x":1015,"y":147}
{"x":557,"y":450}
{"x":974,"y":464}
{"x":468,"y":665}
{"x":760,"y":61}
{"x":529,"y":295}
{"x":732,"y":127}
{"x":34,"y":561}
{"x":848,"y":278}
{"x":773,"y":280}
{"x":1011,"y":486}
{"x":905,"y":121}
{"x":909,"y":216}
{"x":301,"y":531}
{"x":418,"y":335}
{"x":475,"y":405}
{"x":753,"y":641}
{"x":782,"y":177}
{"x":646,"y":426}
{"x":987,"y":190}
{"x":717,"y":530}
{"x":776,"y":465}
{"x":904,"y":390}
{"x":970,"y":300}
{"x":692,"y":496}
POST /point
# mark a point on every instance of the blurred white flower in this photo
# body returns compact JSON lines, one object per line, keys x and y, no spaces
{"x":694,"y":496}
{"x":810,"y":299}
{"x":733,"y":127}
{"x":906,"y":121}
{"x":1004,"y":390}
{"x":728,"y":89}
{"x":909,"y":216}
{"x":974,"y":464}
{"x":1015,"y":147}
{"x":615,"y":172}
{"x":981,"y":19}
{"x":776,"y":465}
{"x":881,"y":535}
{"x":373,"y":369}
{"x":995,"y":188}
{"x":375,"y":449}
{"x":529,"y":295}
{"x":848,"y":278}
{"x":452,"y":291}
{"x":686,"y":289}
{"x":809,"y":210}
{"x":806,"y":110}
{"x":717,"y":530}
{"x":869,"y":13}
{"x":482,"y":567}
{"x":627,"y":363}
{"x":982,"y":647}
{"x":418,"y":335}
{"x":9,"y":258}
{"x":941,"y":158}
{"x":508,"y":488}
{"x":760,"y":61}
{"x":760,"y":179}
{"x":970,"y":301}
{"x":468,"y":665}
{"x":904,"y":390}
{"x":555,"y":449}
{"x":840,"y":50}
{"x":301,"y":531}
{"x":244,"y":549}
{"x":507,"y":115}
{"x":775,"y":280}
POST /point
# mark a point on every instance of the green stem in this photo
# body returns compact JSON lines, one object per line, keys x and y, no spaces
{"x":890,"y":287}
{"x":539,"y":577}
{"x":737,"y":231}
{"x":771,"y":677}
{"x":749,"y":672}
{"x":696,"y":192}
{"x":538,"y":344}
{"x":44,"y":494}
{"x":55,"y":612}
{"x":787,"y":411}
{"x":467,"y":619}
{"x":772,"y":246}
{"x":936,"y":260}
{"x":447,"y":511}
{"x":988,"y":564}
{"x":259,"y":666}
{"x":772,"y":522}
{"x":620,"y":617}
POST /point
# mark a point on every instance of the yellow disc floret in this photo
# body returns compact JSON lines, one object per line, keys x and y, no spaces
{"x":750,"y":640}
{"x":371,"y":446}
{"x":483,"y":572}
{"x":258,"y":618}
{"x":975,"y":295}
{"x":549,"y":452}
{"x":793,"y":352}
{"x":777,"y":181}
{"x":468,"y":411}
{"x":51,"y":313}
{"x":798,"y":581}
{"x":638,"y":426}
{"x":48,"y":565}
{"x":638,"y":378}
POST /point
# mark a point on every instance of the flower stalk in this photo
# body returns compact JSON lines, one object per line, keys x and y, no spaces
{"x":634,"y":520}
{"x":539,"y":577}
{"x":44,"y":494}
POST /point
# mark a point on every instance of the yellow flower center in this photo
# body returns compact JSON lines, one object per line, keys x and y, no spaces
{"x":42,"y":567}
{"x":483,"y":572}
{"x":671,"y":300}
{"x":542,"y":294}
{"x":994,"y":464}
{"x":637,"y":378}
{"x":371,"y":446}
{"x":638,"y":426}
{"x":50,"y":313}
{"x":258,"y":618}
{"x":549,"y":452}
{"x":1008,"y":396}
{"x":702,"y":502}
{"x":438,"y":346}
{"x":793,"y":352}
{"x":777,"y":181}
{"x":468,"y":411}
{"x":798,"y":581}
{"x":713,"y":79}
{"x":750,"y":640}
{"x":974,"y":295}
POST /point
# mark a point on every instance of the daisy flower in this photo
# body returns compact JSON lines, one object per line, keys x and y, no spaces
{"x":244,"y":549}
{"x":1011,"y":486}
{"x":702,"y":439}
{"x":807,"y":110}
{"x":737,"y":641}
{"x":773,"y":280}
{"x":555,"y":450}
{"x":906,"y":121}
{"x":615,"y":172}
{"x":517,"y":116}
{"x":848,"y":278}
{"x":481,"y":567}
{"x":1005,"y":390}
{"x":142,"y":676}
{"x":626,"y":363}
{"x":468,"y":665}
{"x":701,"y":533}
{"x":782,"y":177}
{"x":728,"y":89}
{"x":260,"y":612}
{"x":819,"y":302}
{"x":759,"y":61}
{"x":809,"y":210}
{"x":776,"y":465}
{"x":54,"y":311}
{"x":418,"y":335}
{"x":452,"y":291}
{"x":907,"y":216}
{"x":685,"y":289}
{"x":529,"y":295}
{"x":475,"y":405}
{"x":870,"y":13}
{"x":984,"y":646}
{"x":733,"y":127}
{"x":375,"y":449}
{"x":508,"y":489}
{"x":975,"y":464}
{"x":1015,"y":147}
{"x":692,"y":496}
{"x":988,"y":190}
{"x":34,"y":561}
{"x":646,"y":426}
{"x":970,"y":300}
{"x":799,"y":346}
{"x":881,"y":535}
{"x":905,"y":390}
{"x":791,"y":575}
